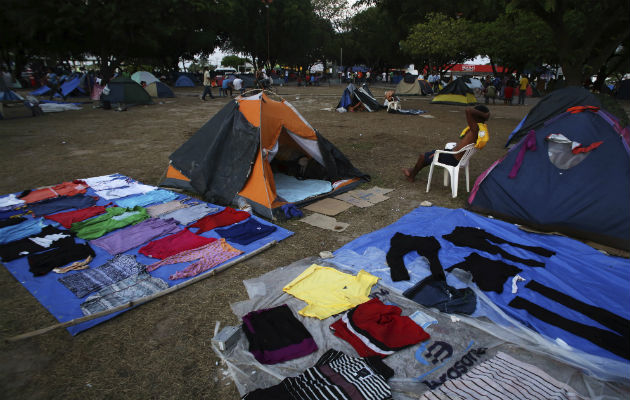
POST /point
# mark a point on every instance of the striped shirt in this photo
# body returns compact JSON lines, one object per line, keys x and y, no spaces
{"x":503,"y":378}
{"x":334,"y":376}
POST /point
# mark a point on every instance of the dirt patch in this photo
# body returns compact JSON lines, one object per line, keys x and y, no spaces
{"x":162,"y":349}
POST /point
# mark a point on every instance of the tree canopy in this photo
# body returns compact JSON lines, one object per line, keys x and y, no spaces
{"x":584,"y":38}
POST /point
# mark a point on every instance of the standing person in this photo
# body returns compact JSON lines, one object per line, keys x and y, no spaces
{"x":207,"y":84}
{"x":508,"y":93}
{"x":384,"y":77}
{"x":476,"y":132}
{"x":54,"y":83}
{"x":238,"y":84}
{"x":522,"y":86}
{"x":226,"y":85}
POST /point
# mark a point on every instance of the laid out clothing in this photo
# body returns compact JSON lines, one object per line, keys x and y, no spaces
{"x":22,"y":230}
{"x":63,"y":189}
{"x":14,"y":213}
{"x":328,"y":291}
{"x":10,"y":201}
{"x":107,"y":182}
{"x":66,"y":219}
{"x":131,"y":189}
{"x":226,"y":217}
{"x":401,"y":244}
{"x":208,"y":257}
{"x":135,"y":235}
{"x":503,"y":377}
{"x":90,"y":280}
{"x":334,"y":376}
{"x":75,"y":266}
{"x":489,"y":275}
{"x":49,"y":238}
{"x":466,"y":236}
{"x":163,"y":208}
{"x":246,"y":232}
{"x":57,"y":204}
{"x":152,"y":197}
{"x":129,"y":289}
{"x":616,"y":340}
{"x":603,"y":316}
{"x":11,"y":221}
{"x":435,"y":292}
{"x":188,"y":215}
{"x":42,"y":263}
{"x":376,"y":329}
{"x":114,"y":218}
{"x":174,"y":244}
{"x":275,"y":335}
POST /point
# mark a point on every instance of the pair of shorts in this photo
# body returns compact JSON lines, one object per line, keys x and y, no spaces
{"x":447,"y":159}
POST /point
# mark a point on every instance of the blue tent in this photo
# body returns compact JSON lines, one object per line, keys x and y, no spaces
{"x":552,"y":104}
{"x":71,"y":86}
{"x":40,"y":91}
{"x":159,"y":89}
{"x":571,"y":175}
{"x":184,"y":81}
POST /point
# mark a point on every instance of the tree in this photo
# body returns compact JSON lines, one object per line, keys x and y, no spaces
{"x":233,"y":61}
{"x":584,"y":33}
{"x":516,"y":43}
{"x":442,"y":41}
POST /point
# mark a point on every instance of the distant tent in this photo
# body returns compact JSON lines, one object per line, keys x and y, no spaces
{"x":159,"y":89}
{"x":40,"y":91}
{"x":473,"y":83}
{"x":425,"y":87}
{"x":184,"y":81}
{"x":568,"y":175}
{"x":623,"y":90}
{"x":71,"y":87}
{"x":126,"y":91}
{"x":251,"y":151}
{"x":413,"y":87}
{"x":249,"y":80}
{"x":457,"y":93}
{"x":352,"y":95}
{"x":145,"y":76}
{"x":7,"y":94}
{"x":552,"y":104}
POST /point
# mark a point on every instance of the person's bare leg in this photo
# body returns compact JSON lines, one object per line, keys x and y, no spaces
{"x":410,"y":173}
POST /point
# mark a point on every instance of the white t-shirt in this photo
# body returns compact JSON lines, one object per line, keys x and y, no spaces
{"x":237,"y":83}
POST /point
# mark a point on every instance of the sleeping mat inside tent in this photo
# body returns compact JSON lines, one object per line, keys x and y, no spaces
{"x":62,"y":303}
{"x":577,"y":289}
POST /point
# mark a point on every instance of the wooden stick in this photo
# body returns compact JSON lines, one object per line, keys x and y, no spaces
{"x":141,"y":300}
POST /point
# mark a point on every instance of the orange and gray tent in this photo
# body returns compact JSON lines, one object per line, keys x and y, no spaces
{"x":232,"y":158}
{"x":457,"y":93}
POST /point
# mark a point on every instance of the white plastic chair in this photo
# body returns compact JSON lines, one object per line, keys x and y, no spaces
{"x":453,"y":171}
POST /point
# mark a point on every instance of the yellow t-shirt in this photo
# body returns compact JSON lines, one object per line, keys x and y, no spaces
{"x":482,"y":137}
{"x":328,"y":291}
{"x":523,"y":83}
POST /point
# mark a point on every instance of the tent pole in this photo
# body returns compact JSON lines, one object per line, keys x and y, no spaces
{"x":141,"y":300}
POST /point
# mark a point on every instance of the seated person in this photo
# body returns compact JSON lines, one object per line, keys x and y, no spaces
{"x":476,"y":132}
{"x":391,"y":99}
{"x":356,"y":107}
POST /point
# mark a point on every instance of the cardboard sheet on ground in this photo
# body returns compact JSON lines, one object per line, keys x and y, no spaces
{"x":328,"y":206}
{"x":373,"y":195}
{"x":65,"y":306}
{"x":325,"y":222}
{"x":576,"y":270}
{"x":452,"y":349}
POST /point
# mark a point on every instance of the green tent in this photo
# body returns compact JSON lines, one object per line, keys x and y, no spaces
{"x":126,"y":91}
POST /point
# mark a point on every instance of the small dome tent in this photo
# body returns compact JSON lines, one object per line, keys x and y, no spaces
{"x":241,"y":152}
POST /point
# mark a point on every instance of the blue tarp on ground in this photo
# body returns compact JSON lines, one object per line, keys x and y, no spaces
{"x":65,"y":306}
{"x":576,"y":269}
